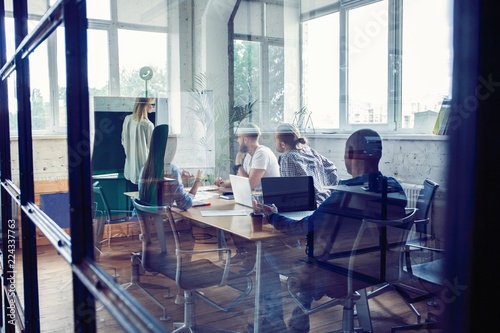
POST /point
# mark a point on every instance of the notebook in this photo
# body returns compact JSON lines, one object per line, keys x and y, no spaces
{"x":241,"y":190}
{"x":293,"y":196}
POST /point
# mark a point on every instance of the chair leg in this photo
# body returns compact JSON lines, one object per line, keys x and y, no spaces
{"x":135,"y":282}
{"x":387,"y":286}
{"x":430,"y":323}
{"x":189,"y":324}
{"x":363,"y":311}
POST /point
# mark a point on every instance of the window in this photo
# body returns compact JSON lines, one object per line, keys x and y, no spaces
{"x":138,"y":49}
{"x":367,"y":64}
{"x":427,"y":38}
{"x":108,"y":46}
{"x":358,"y":72}
{"x":259,"y":61}
{"x":320,"y":73}
{"x":98,"y":62}
{"x":247,"y":70}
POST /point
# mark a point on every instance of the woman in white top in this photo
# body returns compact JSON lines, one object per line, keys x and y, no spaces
{"x":136,"y":137}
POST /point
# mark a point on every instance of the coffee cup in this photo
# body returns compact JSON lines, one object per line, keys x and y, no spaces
{"x":256,"y":221}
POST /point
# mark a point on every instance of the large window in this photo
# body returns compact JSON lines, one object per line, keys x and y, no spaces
{"x":376,"y":63}
{"x":120,"y":43}
{"x":139,"y":49}
{"x":320,"y":76}
{"x":367,"y":28}
{"x":259,"y":61}
{"x":426,"y":58}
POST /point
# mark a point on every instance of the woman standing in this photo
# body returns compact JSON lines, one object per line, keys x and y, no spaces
{"x":136,"y":136}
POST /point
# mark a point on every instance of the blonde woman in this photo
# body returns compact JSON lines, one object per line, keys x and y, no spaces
{"x":136,"y":137}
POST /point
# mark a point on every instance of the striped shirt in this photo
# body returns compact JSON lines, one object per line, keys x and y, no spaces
{"x":308,"y":162}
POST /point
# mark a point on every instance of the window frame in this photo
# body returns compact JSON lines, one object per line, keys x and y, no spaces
{"x":394,"y":62}
{"x":111,"y":26}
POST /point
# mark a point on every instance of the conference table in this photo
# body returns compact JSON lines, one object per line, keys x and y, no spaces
{"x":226,"y":218}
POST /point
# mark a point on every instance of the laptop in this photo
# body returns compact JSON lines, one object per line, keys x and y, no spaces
{"x":241,"y":190}
{"x":293,"y":196}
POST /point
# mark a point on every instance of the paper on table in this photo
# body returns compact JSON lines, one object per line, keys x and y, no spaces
{"x":223,"y":212}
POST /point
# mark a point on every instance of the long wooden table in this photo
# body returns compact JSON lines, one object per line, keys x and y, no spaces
{"x":240,"y":225}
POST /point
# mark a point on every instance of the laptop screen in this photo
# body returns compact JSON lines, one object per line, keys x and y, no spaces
{"x":241,"y":190}
{"x":289,"y":193}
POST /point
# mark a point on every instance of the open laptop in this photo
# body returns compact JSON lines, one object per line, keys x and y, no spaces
{"x":293,"y":196}
{"x":241,"y":190}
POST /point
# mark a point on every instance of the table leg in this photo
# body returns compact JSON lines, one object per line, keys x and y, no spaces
{"x":258,"y":259}
{"x":221,"y":242}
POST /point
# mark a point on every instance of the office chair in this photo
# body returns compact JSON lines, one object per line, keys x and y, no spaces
{"x":344,"y":275}
{"x":430,"y":272}
{"x":189,"y":275}
{"x":423,"y":205}
{"x":110,"y":216}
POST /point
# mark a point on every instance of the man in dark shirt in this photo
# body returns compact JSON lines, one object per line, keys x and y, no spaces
{"x":363,"y":151}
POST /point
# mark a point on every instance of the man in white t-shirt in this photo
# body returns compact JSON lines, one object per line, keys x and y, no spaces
{"x":254,"y":161}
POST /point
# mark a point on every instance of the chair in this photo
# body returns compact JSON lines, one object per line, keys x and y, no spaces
{"x":431,"y":272}
{"x":374,"y":257}
{"x":189,"y":275}
{"x":110,"y":216}
{"x":423,"y":205}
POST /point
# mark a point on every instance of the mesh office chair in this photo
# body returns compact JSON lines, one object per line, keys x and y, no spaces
{"x":189,"y":275}
{"x":423,"y":205}
{"x":359,"y":260}
{"x":429,"y":267}
{"x":110,"y":216}
{"x":431,"y":273}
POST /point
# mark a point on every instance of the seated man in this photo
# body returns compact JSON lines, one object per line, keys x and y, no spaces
{"x":298,"y":159}
{"x":253,"y":161}
{"x":362,"y":155}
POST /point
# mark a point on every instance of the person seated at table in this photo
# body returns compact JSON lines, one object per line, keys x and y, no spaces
{"x":153,"y":188}
{"x":298,"y":159}
{"x":253,"y":161}
{"x":363,"y":152}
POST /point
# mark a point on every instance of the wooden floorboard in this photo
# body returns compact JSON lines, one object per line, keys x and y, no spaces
{"x":55,"y":286}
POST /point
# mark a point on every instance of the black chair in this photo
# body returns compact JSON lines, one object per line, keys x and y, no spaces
{"x":422,"y":220}
{"x":189,"y":275}
{"x":423,"y":263}
{"x":424,"y":204}
{"x":104,"y":215}
{"x":344,"y":275}
{"x":429,"y":272}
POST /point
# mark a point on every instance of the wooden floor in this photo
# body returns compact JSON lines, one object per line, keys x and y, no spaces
{"x":55,"y":286}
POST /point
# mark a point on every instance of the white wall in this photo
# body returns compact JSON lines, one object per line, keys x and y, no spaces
{"x":408,"y":158}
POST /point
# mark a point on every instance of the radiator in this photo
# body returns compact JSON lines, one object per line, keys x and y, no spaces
{"x":412,"y":191}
